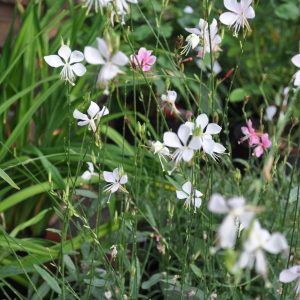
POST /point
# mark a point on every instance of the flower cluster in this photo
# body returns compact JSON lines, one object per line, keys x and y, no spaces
{"x":241,"y":217}
{"x":119,"y":8}
{"x":260,"y":141}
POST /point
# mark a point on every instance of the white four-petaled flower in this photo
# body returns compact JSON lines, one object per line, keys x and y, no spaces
{"x":179,"y":141}
{"x":93,"y":116}
{"x":259,"y":241}
{"x":296,"y":62}
{"x":103,"y":56}
{"x":192,"y":197}
{"x":291,"y":274}
{"x":239,"y":14}
{"x":116,"y":179}
{"x":202,"y":132}
{"x":169,"y":99}
{"x":237,"y":214}
{"x":70,"y":63}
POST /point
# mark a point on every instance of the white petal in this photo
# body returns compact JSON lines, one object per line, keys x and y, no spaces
{"x":108,"y":176}
{"x":232,"y":5}
{"x":103,"y":112}
{"x":217,"y":204}
{"x":296,"y":60}
{"x":93,"y":109}
{"x":193,"y":30}
{"x":181,"y":195}
{"x":244,"y":260}
{"x":83,"y":123}
{"x":197,"y":202}
{"x":187,"y":154}
{"x":184,"y":133}
{"x":53,"y":61}
{"x":198,"y":194}
{"x":108,"y":72}
{"x":236,"y":202}
{"x":116,"y":174}
{"x":260,"y":263}
{"x":120,"y":59}
{"x":213,"y":128}
{"x":123,"y":179}
{"x":228,"y":18}
{"x":79,"y":69}
{"x":191,"y":125}
{"x":227,"y":233}
{"x":76,"y":56}
{"x":86,"y":175}
{"x":79,"y":115}
{"x":297,"y":79}
{"x":187,"y":187}
{"x":246,"y":218}
{"x":202,"y":121}
{"x":93,"y":56}
{"x":64,"y":52}
{"x":171,"y":140}
{"x":276,"y":244}
{"x":90,"y":167}
{"x":195,"y":143}
{"x":208,"y":146}
{"x":290,"y":274}
{"x":103,"y":48}
{"x":250,"y":13}
{"x":219,"y":148}
{"x":114,"y":187}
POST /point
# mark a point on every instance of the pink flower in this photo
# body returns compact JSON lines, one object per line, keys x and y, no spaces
{"x":250,"y":134}
{"x":263,"y":145}
{"x":143,"y":59}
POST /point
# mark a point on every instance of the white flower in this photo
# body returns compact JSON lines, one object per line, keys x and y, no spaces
{"x":180,"y":142}
{"x":122,"y":8}
{"x":296,"y":62}
{"x":98,"y":4}
{"x":169,"y":99}
{"x":192,"y":197}
{"x":260,"y":240}
{"x":188,"y":10}
{"x":270,"y":112}
{"x":115,"y":180}
{"x":87,"y":175}
{"x":291,"y":274}
{"x":102,"y":56}
{"x":161,"y":150}
{"x":94,"y":115}
{"x":202,"y":136}
{"x":193,"y":41}
{"x":237,"y":214}
{"x":108,"y":295}
{"x":209,"y":38}
{"x":71,"y":63}
{"x":238,"y":15}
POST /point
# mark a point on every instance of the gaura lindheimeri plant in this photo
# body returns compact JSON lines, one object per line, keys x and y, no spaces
{"x":144,"y":60}
{"x":94,"y":114}
{"x":110,"y":62}
{"x":239,"y":14}
{"x":208,"y":38}
{"x":98,"y":4}
{"x":192,"y":197}
{"x":239,"y":216}
{"x":168,"y":101}
{"x":289,"y":275}
{"x":296,"y":62}
{"x":161,"y":151}
{"x":259,"y":241}
{"x":70,"y":63}
{"x":179,"y":141}
{"x":87,"y":175}
{"x":202,"y":132}
{"x":115,"y":179}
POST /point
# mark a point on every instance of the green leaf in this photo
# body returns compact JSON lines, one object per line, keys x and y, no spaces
{"x":154,"y":279}
{"x":51,"y":281}
{"x":288,"y":11}
{"x":196,"y":270}
{"x":6,"y":178}
{"x":238,"y":95}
